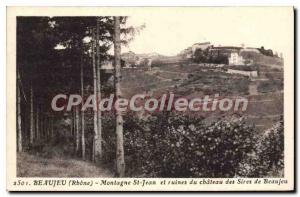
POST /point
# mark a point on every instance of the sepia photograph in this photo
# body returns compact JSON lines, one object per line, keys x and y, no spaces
{"x":129,"y":98}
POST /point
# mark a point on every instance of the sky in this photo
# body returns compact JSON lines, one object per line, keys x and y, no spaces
{"x":168,"y":31}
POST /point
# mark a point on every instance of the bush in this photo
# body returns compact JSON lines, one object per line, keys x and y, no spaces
{"x":172,"y":145}
{"x":180,"y":146}
{"x":185,"y":147}
{"x":268,"y":160}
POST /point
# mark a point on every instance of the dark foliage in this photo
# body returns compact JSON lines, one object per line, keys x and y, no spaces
{"x":267,"y":52}
{"x":168,"y":145}
{"x":268,"y":160}
{"x":205,"y":56}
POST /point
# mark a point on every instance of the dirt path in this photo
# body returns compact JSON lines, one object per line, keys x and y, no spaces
{"x":34,"y":166}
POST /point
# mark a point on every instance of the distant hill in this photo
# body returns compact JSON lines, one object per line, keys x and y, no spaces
{"x":255,"y":56}
{"x":132,"y":57}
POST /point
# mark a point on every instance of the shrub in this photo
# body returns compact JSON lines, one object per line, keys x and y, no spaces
{"x":168,"y":145}
{"x":268,"y":159}
{"x":173,"y":145}
{"x":186,"y":147}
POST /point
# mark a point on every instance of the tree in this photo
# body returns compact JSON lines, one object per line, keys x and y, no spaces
{"x":37,"y":122}
{"x":71,"y":32}
{"x":82,"y":112}
{"x":31,"y":117}
{"x":19,"y":118}
{"x":93,"y":43}
{"x":35,"y":49}
{"x":54,"y":54}
{"x":52,"y":129}
{"x":119,"y":119}
{"x":98,"y":136}
{"x":77,"y":129}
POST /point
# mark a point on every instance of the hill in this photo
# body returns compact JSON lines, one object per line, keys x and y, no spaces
{"x":196,"y":80}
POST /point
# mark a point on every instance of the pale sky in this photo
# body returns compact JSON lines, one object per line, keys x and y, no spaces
{"x":168,"y":31}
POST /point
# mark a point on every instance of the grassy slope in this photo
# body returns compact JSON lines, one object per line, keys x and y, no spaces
{"x":34,"y":166}
{"x":193,"y":81}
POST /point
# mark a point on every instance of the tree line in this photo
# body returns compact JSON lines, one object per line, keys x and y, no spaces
{"x":64,"y":54}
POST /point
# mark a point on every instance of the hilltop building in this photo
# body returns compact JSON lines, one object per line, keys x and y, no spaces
{"x":250,"y":49}
{"x":235,"y":59}
{"x":225,"y":50}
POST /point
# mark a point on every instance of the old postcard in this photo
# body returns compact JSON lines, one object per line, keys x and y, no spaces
{"x":150,"y":99}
